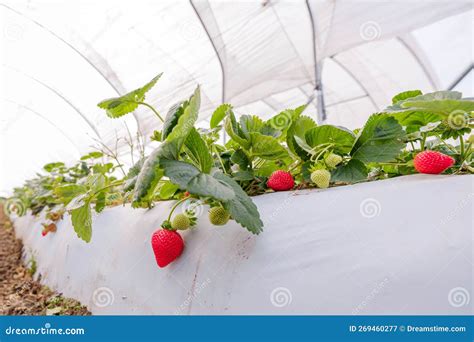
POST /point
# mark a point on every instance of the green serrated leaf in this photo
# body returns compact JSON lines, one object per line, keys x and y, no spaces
{"x":380,"y":140}
{"x":438,"y":95}
{"x":92,"y":155}
{"x":53,"y":166}
{"x":250,"y":124}
{"x":102,"y":168}
{"x":444,"y":107}
{"x":135,"y":169}
{"x":172,"y":117}
{"x":78,"y":201}
{"x":168,"y":189}
{"x":100,"y":202}
{"x":189,"y":178}
{"x":82,"y":221}
{"x":219,"y":114}
{"x":413,"y":121}
{"x":157,"y":136}
{"x":246,"y":175}
{"x":439,"y":102}
{"x":342,"y":138}
{"x":151,"y":173}
{"x":241,"y":158}
{"x":67,"y":192}
{"x":352,"y":172}
{"x":241,"y":207}
{"x":303,"y":145}
{"x":95,"y":181}
{"x":298,"y":129}
{"x":187,"y":120}
{"x":118,"y":106}
{"x":270,"y":131}
{"x":130,"y":183}
{"x":179,"y":172}
{"x":406,"y":95}
{"x":233,"y":129}
{"x":266,"y":147}
{"x":198,"y":151}
{"x":208,"y":186}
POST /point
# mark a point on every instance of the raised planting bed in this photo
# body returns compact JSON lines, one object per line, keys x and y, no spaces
{"x":397,"y":246}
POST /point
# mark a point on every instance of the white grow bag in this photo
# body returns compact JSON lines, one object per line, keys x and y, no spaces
{"x":399,"y":246}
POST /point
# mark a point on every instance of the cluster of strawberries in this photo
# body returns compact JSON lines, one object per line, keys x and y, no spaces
{"x":168,"y":244}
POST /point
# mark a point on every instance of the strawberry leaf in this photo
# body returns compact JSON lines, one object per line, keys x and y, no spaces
{"x":172,"y":117}
{"x":118,"y":106}
{"x":413,"y":121}
{"x":150,"y":174}
{"x":342,"y":138}
{"x":198,"y":151}
{"x":179,"y":172}
{"x":439,"y":102}
{"x":186,"y":120}
{"x":168,"y":189}
{"x":189,"y":178}
{"x":219,"y":114}
{"x":235,"y":132}
{"x":241,"y":207}
{"x":82,"y":221}
{"x":266,"y":147}
{"x":352,"y":172}
{"x":406,"y":95}
{"x":380,"y":140}
{"x":298,"y":129}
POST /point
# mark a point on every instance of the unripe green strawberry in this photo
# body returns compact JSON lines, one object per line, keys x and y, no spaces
{"x":332,"y":160}
{"x":181,"y":222}
{"x":321,"y":178}
{"x":218,"y":216}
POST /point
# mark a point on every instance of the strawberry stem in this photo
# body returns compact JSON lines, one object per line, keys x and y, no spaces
{"x":173,"y":208}
{"x":153,"y":109}
{"x":423,"y":141}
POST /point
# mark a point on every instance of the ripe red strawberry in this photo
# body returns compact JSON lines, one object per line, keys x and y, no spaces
{"x":280,"y":181}
{"x":167,"y":246}
{"x":44,"y":232}
{"x":432,"y":162}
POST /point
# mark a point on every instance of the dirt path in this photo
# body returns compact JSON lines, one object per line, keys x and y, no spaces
{"x":19,"y":293}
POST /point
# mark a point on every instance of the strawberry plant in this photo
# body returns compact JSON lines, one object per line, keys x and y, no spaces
{"x":416,"y":133}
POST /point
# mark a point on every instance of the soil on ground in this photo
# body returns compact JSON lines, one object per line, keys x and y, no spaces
{"x":19,"y":293}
